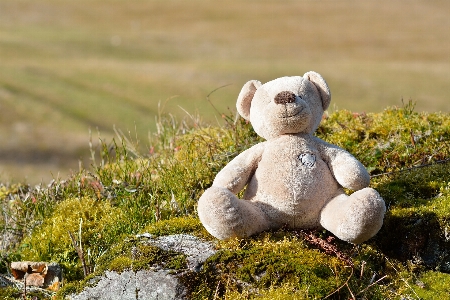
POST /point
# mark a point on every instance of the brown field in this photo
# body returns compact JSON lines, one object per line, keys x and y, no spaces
{"x":70,"y":66}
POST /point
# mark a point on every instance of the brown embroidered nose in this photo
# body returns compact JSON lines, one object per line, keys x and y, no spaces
{"x":284,"y":97}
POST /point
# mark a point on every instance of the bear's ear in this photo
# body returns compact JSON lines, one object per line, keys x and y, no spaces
{"x":245,"y":98}
{"x":321,"y":86}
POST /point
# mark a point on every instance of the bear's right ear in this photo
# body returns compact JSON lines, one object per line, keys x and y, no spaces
{"x":245,"y":98}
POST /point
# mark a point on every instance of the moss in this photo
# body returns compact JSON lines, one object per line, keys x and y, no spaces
{"x":274,"y":264}
{"x":148,"y":256}
{"x":416,"y":187}
{"x":178,"y":225}
{"x":10,"y":293}
{"x":417,"y":221}
{"x":51,"y":241}
{"x":120,"y":264}
{"x":391,"y":140}
{"x":68,"y":289}
{"x":133,"y":254}
{"x":283,"y":292}
{"x":13,"y":293}
{"x":432,"y":285}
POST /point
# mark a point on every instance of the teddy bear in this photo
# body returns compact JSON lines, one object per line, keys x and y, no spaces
{"x":293,"y":179}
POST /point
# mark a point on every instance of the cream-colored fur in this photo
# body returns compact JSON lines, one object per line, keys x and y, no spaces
{"x":292,"y":179}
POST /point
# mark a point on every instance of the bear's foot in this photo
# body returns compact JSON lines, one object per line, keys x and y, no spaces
{"x":225,"y":216}
{"x":355,"y":218}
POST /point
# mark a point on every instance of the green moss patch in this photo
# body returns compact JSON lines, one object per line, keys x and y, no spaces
{"x":432,"y":285}
{"x":135,"y":255}
{"x":277,"y":264}
{"x":417,"y":223}
{"x":178,"y":225}
{"x":392,"y":140}
{"x":95,"y":220}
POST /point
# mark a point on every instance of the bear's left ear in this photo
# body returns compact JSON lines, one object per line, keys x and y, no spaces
{"x":321,"y":86}
{"x":245,"y":98}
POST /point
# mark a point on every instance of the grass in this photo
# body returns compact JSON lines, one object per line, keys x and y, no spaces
{"x":68,"y":67}
{"x":127,"y":192}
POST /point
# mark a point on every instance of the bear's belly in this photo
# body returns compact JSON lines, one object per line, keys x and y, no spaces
{"x":293,"y":192}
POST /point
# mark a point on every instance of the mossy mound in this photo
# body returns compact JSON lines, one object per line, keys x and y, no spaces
{"x":270,"y":265}
{"x":97,"y":221}
{"x":14,"y":293}
{"x":407,"y":154}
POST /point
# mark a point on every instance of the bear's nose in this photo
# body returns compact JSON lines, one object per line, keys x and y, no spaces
{"x":284,"y":97}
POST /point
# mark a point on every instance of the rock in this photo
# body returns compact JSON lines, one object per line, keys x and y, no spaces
{"x":35,"y":279}
{"x":155,"y":284}
{"x":5,"y":281}
{"x":196,"y":250}
{"x":19,"y":268}
{"x":53,"y":277}
{"x":134,"y":285}
{"x":40,"y":274}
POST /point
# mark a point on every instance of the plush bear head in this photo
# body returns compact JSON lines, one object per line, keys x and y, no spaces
{"x":284,"y":105}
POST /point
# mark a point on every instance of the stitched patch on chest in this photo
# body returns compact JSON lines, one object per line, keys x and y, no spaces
{"x":307,"y":159}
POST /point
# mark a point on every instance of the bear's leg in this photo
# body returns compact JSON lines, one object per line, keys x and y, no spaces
{"x":355,"y":218}
{"x":225,"y":216}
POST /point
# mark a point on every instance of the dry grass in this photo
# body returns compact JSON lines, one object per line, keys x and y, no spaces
{"x":67,"y":66}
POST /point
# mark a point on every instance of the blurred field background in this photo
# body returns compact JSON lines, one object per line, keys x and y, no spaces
{"x":67,"y":67}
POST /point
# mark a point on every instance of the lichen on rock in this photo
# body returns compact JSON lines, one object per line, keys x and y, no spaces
{"x":149,"y":268}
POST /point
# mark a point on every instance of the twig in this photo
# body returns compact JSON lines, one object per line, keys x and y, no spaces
{"x":363,"y":263}
{"x":217,"y":291}
{"x":210,"y":102}
{"x":404,"y":280}
{"x":326,"y":246}
{"x":411,"y":135}
{"x":28,"y":272}
{"x":25,"y":286}
{"x":371,"y":285}
{"x":79,"y":236}
{"x":79,"y":252}
{"x":353,"y":296}
{"x":345,"y":284}
{"x":412,"y":168}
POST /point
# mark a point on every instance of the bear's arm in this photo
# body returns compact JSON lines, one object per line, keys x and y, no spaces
{"x":348,"y":171}
{"x":236,"y":174}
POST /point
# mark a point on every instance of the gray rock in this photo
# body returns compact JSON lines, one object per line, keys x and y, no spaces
{"x":130,"y":285}
{"x":158,"y":284}
{"x":5,"y":281}
{"x":196,"y":250}
{"x":54,"y":274}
